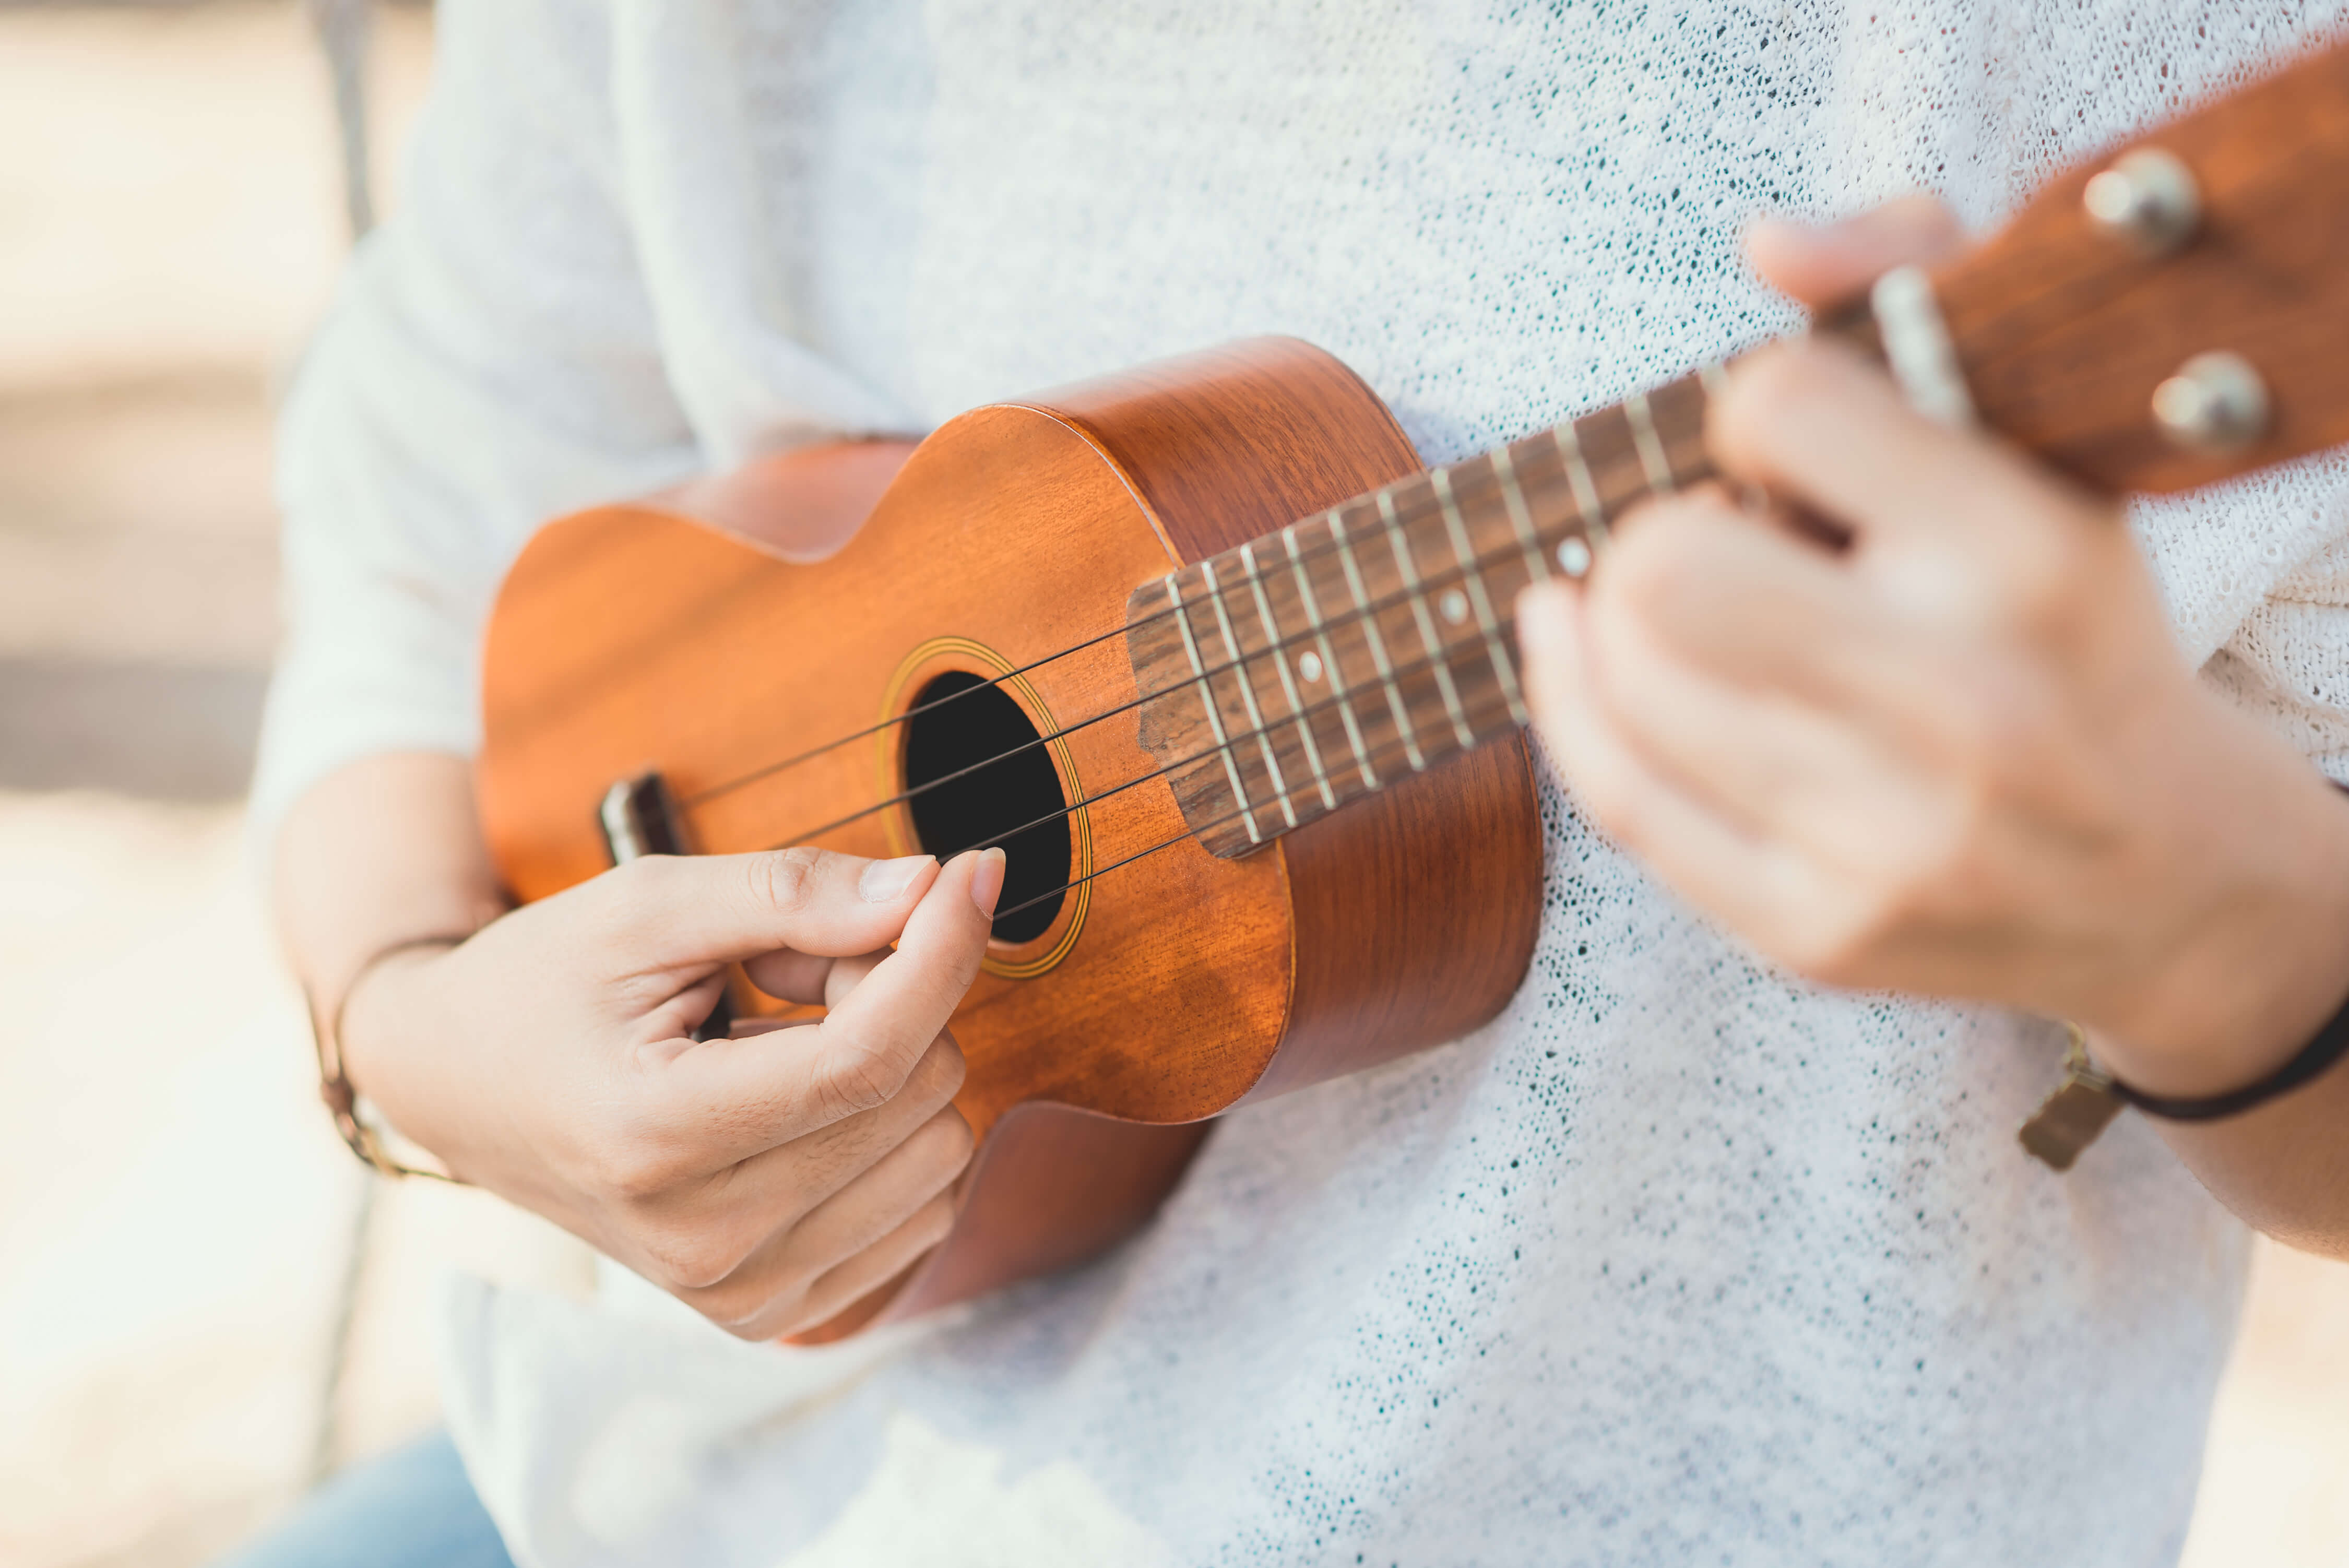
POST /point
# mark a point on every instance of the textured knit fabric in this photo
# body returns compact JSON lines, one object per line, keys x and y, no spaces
{"x":1679,"y":1261}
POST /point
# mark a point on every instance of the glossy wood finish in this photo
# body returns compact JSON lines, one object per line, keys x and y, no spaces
{"x":637,"y":637}
{"x":1405,"y":598}
{"x":1460,"y":843}
{"x":2064,"y":331}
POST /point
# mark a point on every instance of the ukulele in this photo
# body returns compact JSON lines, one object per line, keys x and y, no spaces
{"x":1232,"y":677}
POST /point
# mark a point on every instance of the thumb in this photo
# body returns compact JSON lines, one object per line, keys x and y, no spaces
{"x":1823,"y":266}
{"x":689,"y":915}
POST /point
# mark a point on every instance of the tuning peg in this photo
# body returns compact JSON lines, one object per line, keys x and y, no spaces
{"x":2216,"y":403}
{"x":2148,"y":198}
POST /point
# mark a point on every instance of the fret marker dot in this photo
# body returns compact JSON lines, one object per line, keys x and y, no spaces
{"x":1575,"y":557}
{"x":1308,"y":664}
{"x":1455,"y":605}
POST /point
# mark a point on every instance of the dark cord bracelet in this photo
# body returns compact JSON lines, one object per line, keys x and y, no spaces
{"x":2327,"y":1047}
{"x":2085,"y":1103}
{"x":2320,"y":1053}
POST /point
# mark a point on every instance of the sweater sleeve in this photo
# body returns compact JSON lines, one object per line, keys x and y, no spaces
{"x":491,"y":359}
{"x":2256,"y":573}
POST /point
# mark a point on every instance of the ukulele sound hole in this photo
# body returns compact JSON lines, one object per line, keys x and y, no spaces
{"x":1004,"y":789}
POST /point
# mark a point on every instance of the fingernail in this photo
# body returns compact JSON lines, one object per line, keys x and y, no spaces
{"x":987,"y":882}
{"x":884,"y":881}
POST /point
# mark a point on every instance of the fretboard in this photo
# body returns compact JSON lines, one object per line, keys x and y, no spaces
{"x":1367,"y":643}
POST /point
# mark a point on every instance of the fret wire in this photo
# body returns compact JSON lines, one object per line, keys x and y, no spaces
{"x":1425,"y":622}
{"x":1642,"y":419}
{"x":1215,"y":713}
{"x":1474,"y":575}
{"x":1562,"y":436}
{"x":1371,"y":636}
{"x":1123,"y":784}
{"x":1328,"y":657}
{"x":1248,"y":691}
{"x":1578,"y":474}
{"x":1175,"y":599}
{"x":1521,"y":516}
{"x":1279,"y":651}
{"x":1190,"y":832}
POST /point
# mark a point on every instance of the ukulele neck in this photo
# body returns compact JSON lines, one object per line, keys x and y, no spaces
{"x":1312,"y":666}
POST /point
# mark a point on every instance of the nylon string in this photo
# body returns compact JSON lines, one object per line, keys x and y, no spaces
{"x":1458,"y":572}
{"x":1405,"y":516}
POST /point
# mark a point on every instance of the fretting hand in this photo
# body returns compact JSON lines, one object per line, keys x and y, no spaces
{"x":1961,"y":757}
{"x":768,"y":1181}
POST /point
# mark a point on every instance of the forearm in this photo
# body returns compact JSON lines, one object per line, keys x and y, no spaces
{"x":382,"y":851}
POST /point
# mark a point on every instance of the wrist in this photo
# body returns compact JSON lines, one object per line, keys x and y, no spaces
{"x":2262,"y":966}
{"x":366,"y":1070}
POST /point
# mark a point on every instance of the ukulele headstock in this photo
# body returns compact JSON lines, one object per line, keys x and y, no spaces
{"x":2175,"y":311}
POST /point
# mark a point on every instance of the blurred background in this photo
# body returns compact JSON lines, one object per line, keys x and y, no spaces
{"x":203,"y":1305}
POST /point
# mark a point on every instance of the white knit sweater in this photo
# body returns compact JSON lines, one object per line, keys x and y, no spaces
{"x":1679,"y":1261}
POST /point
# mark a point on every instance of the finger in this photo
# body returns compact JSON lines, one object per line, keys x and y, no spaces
{"x":1809,"y":419}
{"x":771,"y":1088}
{"x":1770,"y":764}
{"x":847,"y":975}
{"x":1732,"y":595}
{"x":1704,"y":855}
{"x":765,"y":1294}
{"x":1738,"y":596}
{"x":876,"y":1032}
{"x":1824,"y":264}
{"x":803,"y":978}
{"x":868,"y":1208}
{"x":733,"y":1210}
{"x":693,"y":913}
{"x":851,"y":1282}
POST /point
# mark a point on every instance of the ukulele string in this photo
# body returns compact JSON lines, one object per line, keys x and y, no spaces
{"x":714,"y":790}
{"x":1545,"y":539}
{"x":1424,"y":662}
{"x":1405,"y":516}
{"x":1166,"y":844}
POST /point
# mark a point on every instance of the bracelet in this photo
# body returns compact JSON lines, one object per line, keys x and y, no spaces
{"x":2321,"y":1052}
{"x":334,"y":1086}
{"x":2085,"y":1103}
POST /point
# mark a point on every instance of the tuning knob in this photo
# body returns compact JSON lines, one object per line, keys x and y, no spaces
{"x":2216,"y":403}
{"x":2147,"y":198}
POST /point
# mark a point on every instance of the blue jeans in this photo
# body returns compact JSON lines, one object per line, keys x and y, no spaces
{"x":412,"y":1508}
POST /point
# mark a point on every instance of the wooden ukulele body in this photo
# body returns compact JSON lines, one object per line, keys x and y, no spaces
{"x":716,"y":632}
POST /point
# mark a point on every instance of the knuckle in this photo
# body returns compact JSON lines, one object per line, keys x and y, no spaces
{"x":1749,"y":415}
{"x":691,"y":1258}
{"x":751,"y":1312}
{"x":1650,"y":571}
{"x":2042,"y":578}
{"x":636,"y":1170}
{"x":948,"y":1145}
{"x":786,"y":881}
{"x":938,"y":1076}
{"x":1839,"y":947}
{"x":856,"y":1078}
{"x":932,"y":1222}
